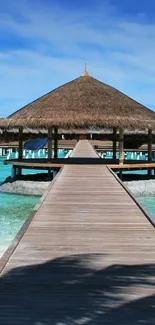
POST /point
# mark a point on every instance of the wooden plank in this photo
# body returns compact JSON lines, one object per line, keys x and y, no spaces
{"x":55,"y":142}
{"x":20,"y":144}
{"x":114,"y":149}
{"x":121,"y":145}
{"x":50,"y":138}
{"x":132,"y":166}
{"x":87,"y":256}
{"x":34,"y":164}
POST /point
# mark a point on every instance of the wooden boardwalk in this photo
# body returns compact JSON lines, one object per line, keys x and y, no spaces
{"x":87,"y":257}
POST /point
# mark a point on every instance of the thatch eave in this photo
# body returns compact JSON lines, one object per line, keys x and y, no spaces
{"x":4,"y":123}
{"x":92,"y":121}
{"x":88,"y":130}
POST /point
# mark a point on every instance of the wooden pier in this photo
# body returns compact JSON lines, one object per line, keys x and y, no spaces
{"x":87,"y":256}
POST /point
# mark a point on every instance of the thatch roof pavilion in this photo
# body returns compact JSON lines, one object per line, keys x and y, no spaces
{"x":84,"y":103}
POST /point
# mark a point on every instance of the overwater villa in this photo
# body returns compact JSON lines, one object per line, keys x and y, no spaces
{"x":86,"y":253}
{"x":82,"y":104}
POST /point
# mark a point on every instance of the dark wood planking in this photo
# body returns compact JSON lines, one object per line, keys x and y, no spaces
{"x":60,"y":162}
{"x":33,"y":164}
{"x":90,"y":252}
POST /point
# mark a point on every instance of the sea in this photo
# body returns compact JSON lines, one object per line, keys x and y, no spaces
{"x":15,"y":209}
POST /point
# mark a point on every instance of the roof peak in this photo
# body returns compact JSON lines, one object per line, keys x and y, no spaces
{"x":85,"y":72}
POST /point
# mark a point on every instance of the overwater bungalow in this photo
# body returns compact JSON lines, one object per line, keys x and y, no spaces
{"x":86,"y":253}
{"x":87,"y":105}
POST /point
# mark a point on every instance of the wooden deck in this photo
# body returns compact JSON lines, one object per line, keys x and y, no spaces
{"x":135,"y":165}
{"x":60,"y":162}
{"x":87,"y":257}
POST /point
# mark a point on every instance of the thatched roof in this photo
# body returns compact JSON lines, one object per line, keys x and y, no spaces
{"x":3,"y":123}
{"x":1,"y":120}
{"x":71,"y":131}
{"x":84,"y":102}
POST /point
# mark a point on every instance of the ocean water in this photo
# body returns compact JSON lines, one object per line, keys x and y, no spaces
{"x":149,"y":204}
{"x":14,"y":209}
{"x":141,"y":156}
{"x":5,"y":170}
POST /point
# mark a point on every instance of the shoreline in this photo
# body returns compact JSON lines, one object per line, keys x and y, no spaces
{"x":39,"y":186}
{"x":35,"y":184}
{"x":25,"y":187}
{"x":141,"y":187}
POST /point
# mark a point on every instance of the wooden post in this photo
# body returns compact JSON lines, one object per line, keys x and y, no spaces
{"x":18,"y":171}
{"x":149,"y":145}
{"x":121,"y":145}
{"x":20,"y":146}
{"x":114,"y":142}
{"x":54,"y":173}
{"x":49,"y":143}
{"x":55,"y":143}
{"x":120,"y":173}
{"x":13,"y":172}
{"x":149,"y":149}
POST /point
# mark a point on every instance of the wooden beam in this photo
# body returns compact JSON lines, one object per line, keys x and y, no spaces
{"x":49,"y":143}
{"x":20,"y":144}
{"x":149,"y":145}
{"x":114,"y":142}
{"x":149,"y":150}
{"x":121,"y":145}
{"x":55,"y":143}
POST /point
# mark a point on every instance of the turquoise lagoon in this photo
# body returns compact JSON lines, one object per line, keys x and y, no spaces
{"x":14,"y":209}
{"x":149,"y":204}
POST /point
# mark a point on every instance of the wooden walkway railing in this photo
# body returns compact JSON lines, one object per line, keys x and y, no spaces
{"x":87,"y":257}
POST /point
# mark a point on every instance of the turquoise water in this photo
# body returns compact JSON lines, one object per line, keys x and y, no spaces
{"x":14,"y":209}
{"x":149,"y":204}
{"x":5,"y":170}
{"x":141,"y":156}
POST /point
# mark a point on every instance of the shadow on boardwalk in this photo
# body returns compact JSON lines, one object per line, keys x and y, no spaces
{"x":71,"y":290}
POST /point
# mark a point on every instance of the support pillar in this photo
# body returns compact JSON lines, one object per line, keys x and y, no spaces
{"x":149,"y":145}
{"x":120,"y":173}
{"x":20,"y":150}
{"x":20,"y":145}
{"x":13,"y":172}
{"x":121,"y":145}
{"x":149,"y":149}
{"x":114,"y":142}
{"x":55,"y":143}
{"x":18,"y":171}
{"x":49,"y":175}
{"x":54,"y":173}
{"x":49,"y":143}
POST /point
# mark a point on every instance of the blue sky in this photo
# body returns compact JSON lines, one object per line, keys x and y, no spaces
{"x":45,"y":43}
